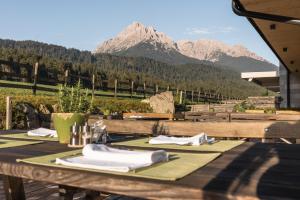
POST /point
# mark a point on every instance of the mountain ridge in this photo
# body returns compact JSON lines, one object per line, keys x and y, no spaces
{"x":138,"y":40}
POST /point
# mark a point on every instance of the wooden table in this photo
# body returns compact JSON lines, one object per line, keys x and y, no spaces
{"x":252,"y":170}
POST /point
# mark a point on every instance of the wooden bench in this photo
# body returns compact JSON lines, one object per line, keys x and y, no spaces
{"x":242,"y":129}
{"x":226,"y":116}
{"x":168,"y":116}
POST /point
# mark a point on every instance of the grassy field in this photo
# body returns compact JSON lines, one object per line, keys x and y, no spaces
{"x":27,"y":91}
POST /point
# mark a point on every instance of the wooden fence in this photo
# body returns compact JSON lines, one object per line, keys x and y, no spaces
{"x":130,"y":88}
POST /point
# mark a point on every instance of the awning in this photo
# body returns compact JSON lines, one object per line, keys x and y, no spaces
{"x":282,"y":33}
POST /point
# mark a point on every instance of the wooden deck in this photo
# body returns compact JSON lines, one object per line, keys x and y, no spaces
{"x":252,"y":170}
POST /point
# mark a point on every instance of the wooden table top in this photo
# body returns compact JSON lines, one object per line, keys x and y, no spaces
{"x":252,"y":170}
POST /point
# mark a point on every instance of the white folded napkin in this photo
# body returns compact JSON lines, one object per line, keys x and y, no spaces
{"x":102,"y":157}
{"x":195,"y":140}
{"x":42,"y":132}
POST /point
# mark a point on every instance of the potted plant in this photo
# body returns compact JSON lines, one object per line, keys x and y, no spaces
{"x":107,"y":114}
{"x":74,"y":106}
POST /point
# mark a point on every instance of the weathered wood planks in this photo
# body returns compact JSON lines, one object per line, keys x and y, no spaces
{"x":244,"y":129}
{"x":148,"y":116}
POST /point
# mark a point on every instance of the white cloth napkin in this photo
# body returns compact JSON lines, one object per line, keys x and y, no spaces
{"x":102,"y":157}
{"x":195,"y":140}
{"x":42,"y":132}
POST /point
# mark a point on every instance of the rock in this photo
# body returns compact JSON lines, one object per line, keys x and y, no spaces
{"x":163,"y":103}
{"x":1,"y":122}
{"x":44,"y":109}
{"x":146,"y":101}
{"x":27,"y":116}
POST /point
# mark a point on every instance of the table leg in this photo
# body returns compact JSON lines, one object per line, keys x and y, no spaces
{"x":92,"y":195}
{"x":13,"y":187}
{"x":67,"y":192}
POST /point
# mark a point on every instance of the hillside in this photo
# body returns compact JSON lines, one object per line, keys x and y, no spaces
{"x":54,"y":59}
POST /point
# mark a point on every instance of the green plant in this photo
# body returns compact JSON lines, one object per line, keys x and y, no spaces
{"x":242,"y":107}
{"x":269,"y":110}
{"x":74,"y":100}
{"x":108,"y":106}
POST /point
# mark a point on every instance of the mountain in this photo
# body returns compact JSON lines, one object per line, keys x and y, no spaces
{"x":138,"y":40}
{"x":236,"y":57}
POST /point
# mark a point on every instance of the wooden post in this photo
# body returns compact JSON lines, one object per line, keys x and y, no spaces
{"x":13,"y":187}
{"x":131,"y":89}
{"x":36,"y":68}
{"x":198,"y":98}
{"x":156,"y":88}
{"x":66,"y":76}
{"x":144,"y":90}
{"x":93,"y":85}
{"x":192,"y":96}
{"x":116,"y":88}
{"x":177,"y":91}
{"x":168,"y":88}
{"x":8,"y":113}
{"x":180,"y":97}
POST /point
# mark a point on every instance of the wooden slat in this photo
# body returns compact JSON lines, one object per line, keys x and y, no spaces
{"x":288,"y":112}
{"x":207,"y":116}
{"x":263,"y":116}
{"x":131,"y":127}
{"x":252,"y":129}
{"x":147,"y":115}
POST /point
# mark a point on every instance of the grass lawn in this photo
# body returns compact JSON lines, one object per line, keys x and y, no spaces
{"x":21,"y":91}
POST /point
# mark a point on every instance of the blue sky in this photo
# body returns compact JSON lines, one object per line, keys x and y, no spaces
{"x":85,"y":24}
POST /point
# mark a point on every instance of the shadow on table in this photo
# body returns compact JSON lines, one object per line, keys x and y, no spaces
{"x":264,"y":170}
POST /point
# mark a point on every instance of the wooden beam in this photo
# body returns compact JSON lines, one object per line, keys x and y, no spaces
{"x":93,"y":85}
{"x":147,"y":116}
{"x":263,"y":116}
{"x":116,"y":88}
{"x":66,"y":77}
{"x":8,"y":121}
{"x":136,"y":187}
{"x":253,"y":129}
{"x":36,"y":69}
{"x":13,"y":187}
{"x":144,"y":90}
{"x":180,"y":97}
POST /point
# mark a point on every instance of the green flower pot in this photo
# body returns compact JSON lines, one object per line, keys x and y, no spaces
{"x":63,"y":123}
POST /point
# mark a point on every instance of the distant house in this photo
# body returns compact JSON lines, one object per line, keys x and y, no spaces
{"x":278,"y":23}
{"x":268,"y":79}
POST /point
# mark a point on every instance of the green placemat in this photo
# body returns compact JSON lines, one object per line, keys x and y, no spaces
{"x":14,"y":143}
{"x":219,"y":146}
{"x":180,"y":165}
{"x":25,"y":136}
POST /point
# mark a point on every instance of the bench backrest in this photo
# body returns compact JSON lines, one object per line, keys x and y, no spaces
{"x":249,"y":129}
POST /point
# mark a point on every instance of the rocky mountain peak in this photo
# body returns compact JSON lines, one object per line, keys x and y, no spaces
{"x":138,"y":40}
{"x":134,"y":34}
{"x":208,"y":49}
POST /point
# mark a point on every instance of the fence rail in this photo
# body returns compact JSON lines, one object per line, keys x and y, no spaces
{"x":119,"y":88}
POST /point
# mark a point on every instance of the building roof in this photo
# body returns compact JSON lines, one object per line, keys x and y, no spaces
{"x":283,"y":33}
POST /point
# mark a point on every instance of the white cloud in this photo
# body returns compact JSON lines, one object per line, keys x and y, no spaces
{"x":209,"y":31}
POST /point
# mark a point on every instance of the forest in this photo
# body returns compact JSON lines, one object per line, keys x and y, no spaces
{"x":54,"y":60}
